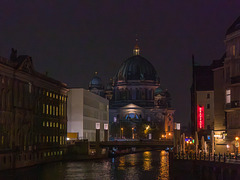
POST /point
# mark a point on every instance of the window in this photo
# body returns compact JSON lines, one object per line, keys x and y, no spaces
{"x":43,"y":108}
{"x":50,"y":109}
{"x":228,"y":96}
{"x":47,"y":124}
{"x":208,"y":106}
{"x":50,"y":124}
{"x":47,"y":109}
{"x":54,"y":124}
{"x":54,"y":110}
{"x":43,"y":123}
{"x":114,"y":119}
{"x":233,"y":50}
{"x":30,"y":87}
{"x":47,"y":139}
{"x":57,"y":125}
{"x":208,"y":96}
{"x":47,"y":93}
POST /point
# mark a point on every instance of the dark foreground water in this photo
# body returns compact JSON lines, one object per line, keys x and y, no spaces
{"x":148,"y":165}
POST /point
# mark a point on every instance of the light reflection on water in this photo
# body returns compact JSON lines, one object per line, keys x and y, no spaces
{"x":146,"y":165}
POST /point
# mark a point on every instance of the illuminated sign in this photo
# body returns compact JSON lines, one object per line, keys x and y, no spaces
{"x":200,"y":117}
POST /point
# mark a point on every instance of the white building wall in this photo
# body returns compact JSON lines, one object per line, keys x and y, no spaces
{"x":85,"y":109}
{"x":75,"y":112}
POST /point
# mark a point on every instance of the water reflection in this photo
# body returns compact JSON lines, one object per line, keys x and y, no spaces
{"x":146,"y":165}
{"x":164,"y":166}
{"x":147,"y":161}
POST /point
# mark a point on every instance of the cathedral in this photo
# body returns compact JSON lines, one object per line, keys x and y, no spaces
{"x":139,"y":108}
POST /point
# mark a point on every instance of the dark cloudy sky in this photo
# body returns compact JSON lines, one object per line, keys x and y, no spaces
{"x":72,"y":39}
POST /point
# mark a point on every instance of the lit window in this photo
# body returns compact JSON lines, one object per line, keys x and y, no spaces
{"x":60,"y":140}
{"x":50,"y":95}
{"x":54,"y":124}
{"x":47,"y":139}
{"x":53,"y":95}
{"x":55,"y":153}
{"x":2,"y":139}
{"x":62,"y":110}
{"x":60,"y":126}
{"x":114,"y":119}
{"x":43,"y":123}
{"x":228,"y":96}
{"x":56,"y":138}
{"x":61,"y":152}
{"x":47,"y":109}
{"x":50,"y":138}
{"x":54,"y":110}
{"x":50,"y":109}
{"x":50,"y":124}
{"x":233,"y":50}
{"x":56,"y":96}
{"x":48,"y":153}
{"x":47,"y":93}
{"x":43,"y":108}
{"x":47,"y":124}
{"x":57,"y":125}
{"x":53,"y":138}
{"x":65,"y":99}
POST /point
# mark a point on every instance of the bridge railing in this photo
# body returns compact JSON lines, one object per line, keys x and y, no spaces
{"x":225,"y":158}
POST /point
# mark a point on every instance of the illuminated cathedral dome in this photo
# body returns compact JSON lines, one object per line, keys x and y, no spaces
{"x":136,"y":68}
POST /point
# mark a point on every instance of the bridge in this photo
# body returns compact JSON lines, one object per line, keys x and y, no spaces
{"x":137,"y":144}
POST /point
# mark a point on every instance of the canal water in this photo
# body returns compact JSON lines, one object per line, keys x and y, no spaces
{"x":149,"y":165}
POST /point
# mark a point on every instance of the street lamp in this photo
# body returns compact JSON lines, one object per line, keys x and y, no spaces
{"x":237,"y":144}
{"x":132,"y":133}
{"x":122,"y":133}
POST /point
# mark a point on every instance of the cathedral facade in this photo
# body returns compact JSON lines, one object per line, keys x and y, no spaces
{"x":139,"y":107}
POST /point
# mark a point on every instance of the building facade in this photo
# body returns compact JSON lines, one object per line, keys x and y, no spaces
{"x":85,"y":109}
{"x":33,"y":117}
{"x":202,"y":100}
{"x":232,"y":85}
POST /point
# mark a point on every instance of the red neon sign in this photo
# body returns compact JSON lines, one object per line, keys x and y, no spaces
{"x":200,"y":117}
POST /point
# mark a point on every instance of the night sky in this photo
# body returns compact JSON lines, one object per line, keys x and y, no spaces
{"x":73,"y":39}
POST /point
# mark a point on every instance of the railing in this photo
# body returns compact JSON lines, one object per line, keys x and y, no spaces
{"x":225,"y":158}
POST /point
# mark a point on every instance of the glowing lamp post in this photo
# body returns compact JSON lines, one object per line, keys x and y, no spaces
{"x":132,"y":133}
{"x":121,"y":133}
{"x":97,"y":132}
{"x":236,"y":144}
{"x":105,"y":132}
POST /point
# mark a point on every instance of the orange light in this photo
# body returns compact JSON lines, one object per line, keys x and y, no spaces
{"x":236,"y":138}
{"x":122,"y":129}
{"x":163,"y":136}
{"x":132,"y":128}
{"x":169,"y":134}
